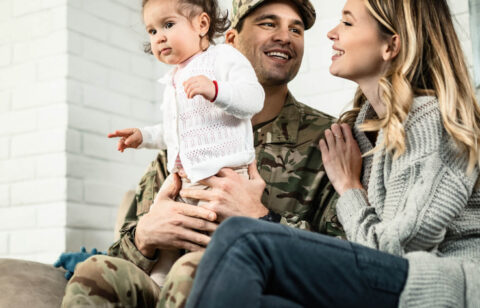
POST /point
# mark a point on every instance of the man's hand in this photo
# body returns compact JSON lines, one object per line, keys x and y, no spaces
{"x":173,"y":225}
{"x":342,"y":158}
{"x":232,"y":194}
{"x":130,"y":138}
{"x":199,"y":85}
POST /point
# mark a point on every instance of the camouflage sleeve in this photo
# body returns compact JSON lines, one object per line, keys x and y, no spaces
{"x":325,"y":220}
{"x":145,"y":195}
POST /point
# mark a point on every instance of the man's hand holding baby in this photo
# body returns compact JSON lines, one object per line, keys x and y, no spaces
{"x":129,"y":138}
{"x":200,"y":85}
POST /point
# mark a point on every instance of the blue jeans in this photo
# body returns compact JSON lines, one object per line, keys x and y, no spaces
{"x":252,"y":263}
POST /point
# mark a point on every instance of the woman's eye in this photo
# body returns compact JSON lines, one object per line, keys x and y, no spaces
{"x":346,"y":23}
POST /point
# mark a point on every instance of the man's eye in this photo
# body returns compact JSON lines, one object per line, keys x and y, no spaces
{"x":267,"y":24}
{"x":295,"y":30}
{"x":152,"y":31}
{"x":168,"y":25}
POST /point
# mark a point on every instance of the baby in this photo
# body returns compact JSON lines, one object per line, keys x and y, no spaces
{"x":210,"y":95}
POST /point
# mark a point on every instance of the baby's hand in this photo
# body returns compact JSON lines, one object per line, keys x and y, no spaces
{"x":200,"y":85}
{"x":130,"y":138}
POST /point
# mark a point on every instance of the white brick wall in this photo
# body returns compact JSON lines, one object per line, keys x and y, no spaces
{"x":70,"y":72}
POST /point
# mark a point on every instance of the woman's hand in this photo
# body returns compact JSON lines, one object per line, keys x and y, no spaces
{"x":342,"y":158}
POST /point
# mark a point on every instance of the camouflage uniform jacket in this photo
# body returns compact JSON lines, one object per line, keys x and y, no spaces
{"x":288,"y":160}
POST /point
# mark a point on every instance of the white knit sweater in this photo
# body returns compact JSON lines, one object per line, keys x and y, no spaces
{"x":422,"y":206}
{"x":209,"y":136}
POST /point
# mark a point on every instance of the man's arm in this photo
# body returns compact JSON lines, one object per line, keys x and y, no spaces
{"x":157,"y":222}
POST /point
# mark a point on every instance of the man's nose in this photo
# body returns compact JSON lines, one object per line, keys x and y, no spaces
{"x":282,"y":35}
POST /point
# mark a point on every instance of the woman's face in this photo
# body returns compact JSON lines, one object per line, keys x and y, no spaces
{"x":358,"y":47}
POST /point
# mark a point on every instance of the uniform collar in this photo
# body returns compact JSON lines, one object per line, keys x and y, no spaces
{"x":284,"y":129}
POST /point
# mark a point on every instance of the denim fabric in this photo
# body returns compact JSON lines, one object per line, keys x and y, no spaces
{"x":251,"y":263}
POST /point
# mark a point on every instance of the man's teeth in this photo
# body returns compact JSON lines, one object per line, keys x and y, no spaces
{"x":278,"y":54}
{"x":338,"y":52}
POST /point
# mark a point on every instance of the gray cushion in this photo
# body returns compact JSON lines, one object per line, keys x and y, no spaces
{"x":27,"y":284}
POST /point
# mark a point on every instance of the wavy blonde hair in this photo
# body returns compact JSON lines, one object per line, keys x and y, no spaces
{"x":430,"y":62}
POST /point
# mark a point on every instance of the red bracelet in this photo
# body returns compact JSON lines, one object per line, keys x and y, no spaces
{"x":216,"y":91}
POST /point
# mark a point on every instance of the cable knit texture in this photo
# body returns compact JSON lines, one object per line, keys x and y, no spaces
{"x":209,"y":136}
{"x":422,"y":206}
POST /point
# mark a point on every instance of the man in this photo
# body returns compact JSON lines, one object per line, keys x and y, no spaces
{"x":297,"y":192}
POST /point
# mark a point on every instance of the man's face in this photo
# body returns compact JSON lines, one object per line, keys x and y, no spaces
{"x":272,"y":39}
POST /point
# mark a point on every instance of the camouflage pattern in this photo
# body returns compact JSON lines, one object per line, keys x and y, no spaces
{"x":297,"y":187}
{"x":241,"y":8}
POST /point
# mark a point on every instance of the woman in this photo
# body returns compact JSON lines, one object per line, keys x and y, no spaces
{"x":412,"y":212}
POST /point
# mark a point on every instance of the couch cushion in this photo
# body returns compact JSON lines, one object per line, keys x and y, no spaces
{"x":30,"y":284}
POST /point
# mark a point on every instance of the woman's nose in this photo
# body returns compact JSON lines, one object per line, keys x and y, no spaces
{"x":332,"y":34}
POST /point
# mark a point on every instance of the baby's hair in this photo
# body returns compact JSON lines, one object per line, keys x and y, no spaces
{"x":219,"y":22}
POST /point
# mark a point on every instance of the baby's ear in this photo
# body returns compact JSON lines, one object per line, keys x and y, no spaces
{"x":204,"y":23}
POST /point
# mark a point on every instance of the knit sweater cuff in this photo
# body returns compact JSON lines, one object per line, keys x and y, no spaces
{"x":433,"y":282}
{"x":349,"y":205}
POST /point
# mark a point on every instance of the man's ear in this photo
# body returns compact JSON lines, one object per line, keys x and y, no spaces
{"x":204,"y":23}
{"x":231,"y":37}
{"x":392,"y":48}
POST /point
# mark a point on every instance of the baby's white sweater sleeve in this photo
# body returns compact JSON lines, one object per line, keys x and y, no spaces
{"x":239,"y":92}
{"x":153,"y":137}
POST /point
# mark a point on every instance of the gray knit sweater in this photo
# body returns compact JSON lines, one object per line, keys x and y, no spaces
{"x":422,"y":206}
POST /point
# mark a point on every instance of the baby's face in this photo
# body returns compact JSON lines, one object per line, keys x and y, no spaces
{"x":173,"y":37}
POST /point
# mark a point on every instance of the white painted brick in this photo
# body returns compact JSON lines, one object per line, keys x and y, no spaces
{"x":54,"y":43}
{"x":5,"y":55}
{"x":52,"y":116}
{"x":4,"y":195}
{"x":15,"y":170}
{"x":106,"y":100}
{"x":51,"y":165}
{"x":87,"y":216}
{"x":6,"y":10}
{"x":6,"y":31}
{"x":109,"y":11}
{"x":307,"y":84}
{"x":46,"y":4}
{"x":458,"y":6}
{"x":5,"y":101}
{"x":93,"y":169}
{"x":102,"y":147}
{"x":135,"y":5}
{"x":51,"y":215}
{"x":131,"y":85}
{"x":47,"y":257}
{"x":3,"y":243}
{"x":23,"y":73}
{"x":146,"y":111}
{"x":38,"y":143}
{"x":54,"y":67}
{"x":74,"y":141}
{"x":15,"y":122}
{"x":17,"y":217}
{"x":119,"y":36}
{"x":22,"y":7}
{"x":76,"y":238}
{"x":75,"y":190}
{"x":6,"y":82}
{"x":85,"y":71}
{"x":102,"y":193}
{"x":119,"y":122}
{"x":462,"y":26}
{"x":39,"y":191}
{"x":87,"y":24}
{"x":22,"y":52}
{"x":75,"y":43}
{"x":143,"y":65}
{"x":39,"y":94}
{"x":37,"y":240}
{"x":87,"y":119}
{"x":4,"y":147}
{"x":143,"y":157}
{"x":74,"y":91}
{"x":104,"y":54}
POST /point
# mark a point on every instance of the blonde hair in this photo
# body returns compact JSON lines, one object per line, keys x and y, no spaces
{"x":430,"y":62}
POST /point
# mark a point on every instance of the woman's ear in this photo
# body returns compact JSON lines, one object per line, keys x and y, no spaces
{"x":392,"y":48}
{"x":204,"y":23}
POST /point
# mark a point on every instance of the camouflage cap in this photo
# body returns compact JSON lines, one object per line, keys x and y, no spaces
{"x":242,"y":8}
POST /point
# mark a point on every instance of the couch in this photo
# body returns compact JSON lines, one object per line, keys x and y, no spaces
{"x":28,"y":284}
